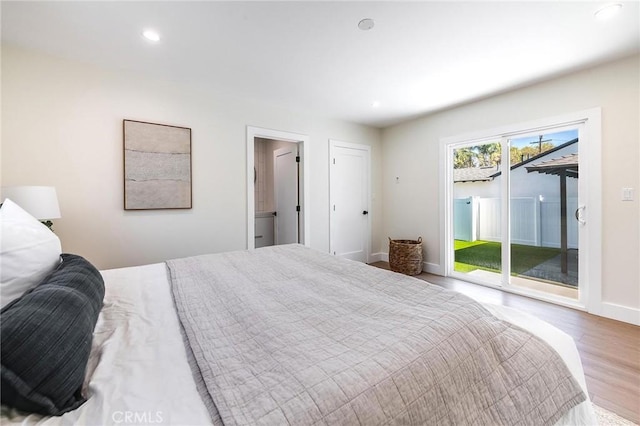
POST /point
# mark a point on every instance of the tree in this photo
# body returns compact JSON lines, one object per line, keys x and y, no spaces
{"x":518,"y":155}
{"x":463,"y":158}
{"x":487,"y":155}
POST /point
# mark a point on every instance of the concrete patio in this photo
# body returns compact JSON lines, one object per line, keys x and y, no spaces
{"x":551,"y":270}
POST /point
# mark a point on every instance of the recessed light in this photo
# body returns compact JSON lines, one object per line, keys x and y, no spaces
{"x":151,"y":35}
{"x":366,"y":24}
{"x":375,"y":104}
{"x":608,"y":11}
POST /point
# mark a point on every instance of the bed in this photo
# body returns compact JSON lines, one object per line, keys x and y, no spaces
{"x":234,"y":327}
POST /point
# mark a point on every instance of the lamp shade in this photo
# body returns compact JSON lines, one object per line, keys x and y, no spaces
{"x":40,"y":202}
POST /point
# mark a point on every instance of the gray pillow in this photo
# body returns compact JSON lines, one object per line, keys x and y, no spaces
{"x":46,"y":339}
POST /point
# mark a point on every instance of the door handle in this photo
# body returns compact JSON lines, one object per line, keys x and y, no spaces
{"x":365,"y":212}
{"x":579,"y":215}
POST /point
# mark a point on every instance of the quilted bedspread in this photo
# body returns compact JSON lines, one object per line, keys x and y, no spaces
{"x":288,"y":335}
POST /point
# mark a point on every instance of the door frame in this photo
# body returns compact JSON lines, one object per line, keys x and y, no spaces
{"x":303,"y":142}
{"x":591,"y":181}
{"x":334,"y":143}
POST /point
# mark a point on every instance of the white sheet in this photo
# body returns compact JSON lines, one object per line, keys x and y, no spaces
{"x":138,"y":372}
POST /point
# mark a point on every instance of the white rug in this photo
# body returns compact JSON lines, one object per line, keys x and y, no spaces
{"x":607,"y":418}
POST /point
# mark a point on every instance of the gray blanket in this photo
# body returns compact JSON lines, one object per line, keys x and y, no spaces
{"x":288,"y":335}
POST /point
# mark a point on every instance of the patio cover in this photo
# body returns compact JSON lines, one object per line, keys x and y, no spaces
{"x":567,"y":164}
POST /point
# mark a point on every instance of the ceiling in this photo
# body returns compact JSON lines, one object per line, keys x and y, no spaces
{"x":419,"y":58}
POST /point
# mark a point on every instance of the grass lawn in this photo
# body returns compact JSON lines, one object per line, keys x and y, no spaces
{"x":486,"y":255}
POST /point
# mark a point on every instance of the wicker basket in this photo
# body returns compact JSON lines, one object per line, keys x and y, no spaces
{"x":405,"y":256}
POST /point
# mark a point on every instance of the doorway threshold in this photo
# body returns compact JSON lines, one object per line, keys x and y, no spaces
{"x":524,"y":283}
{"x":557,"y":294}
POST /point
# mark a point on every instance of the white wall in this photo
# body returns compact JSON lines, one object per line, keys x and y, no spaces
{"x":411,"y":152}
{"x":62,"y":126}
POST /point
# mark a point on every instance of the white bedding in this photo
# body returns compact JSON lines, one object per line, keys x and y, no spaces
{"x":138,"y":372}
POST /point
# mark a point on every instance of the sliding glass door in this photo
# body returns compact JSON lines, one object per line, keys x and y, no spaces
{"x":515,"y":215}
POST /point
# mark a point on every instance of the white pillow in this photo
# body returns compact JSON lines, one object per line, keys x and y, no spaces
{"x":29,"y":251}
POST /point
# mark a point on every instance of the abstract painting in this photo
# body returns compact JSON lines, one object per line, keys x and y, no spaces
{"x":157,"y":166}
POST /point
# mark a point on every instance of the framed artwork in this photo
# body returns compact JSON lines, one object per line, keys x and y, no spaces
{"x":157,"y":166}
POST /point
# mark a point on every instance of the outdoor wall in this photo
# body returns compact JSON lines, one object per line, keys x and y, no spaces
{"x":411,"y":156}
{"x":62,"y":126}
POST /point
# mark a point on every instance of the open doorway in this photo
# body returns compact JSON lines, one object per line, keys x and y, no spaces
{"x":276,"y":192}
{"x":277,"y":188}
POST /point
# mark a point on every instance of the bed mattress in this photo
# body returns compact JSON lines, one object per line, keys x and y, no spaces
{"x":139,"y":373}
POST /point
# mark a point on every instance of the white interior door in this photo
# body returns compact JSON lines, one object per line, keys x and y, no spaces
{"x":349,"y":200}
{"x":285,"y":173}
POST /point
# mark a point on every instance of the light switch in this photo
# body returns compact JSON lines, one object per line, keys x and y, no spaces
{"x":627,"y":194}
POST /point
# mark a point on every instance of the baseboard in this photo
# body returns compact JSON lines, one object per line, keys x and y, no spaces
{"x":378,"y":257}
{"x":620,"y":313}
{"x":431,"y":268}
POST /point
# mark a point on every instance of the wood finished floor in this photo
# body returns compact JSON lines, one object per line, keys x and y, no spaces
{"x":610,"y":350}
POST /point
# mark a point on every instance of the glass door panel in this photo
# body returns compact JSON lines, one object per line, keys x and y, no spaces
{"x":477,"y":207}
{"x":543,"y":201}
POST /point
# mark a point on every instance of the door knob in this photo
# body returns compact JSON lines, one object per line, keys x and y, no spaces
{"x":365,"y":212}
{"x":578,"y":215}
